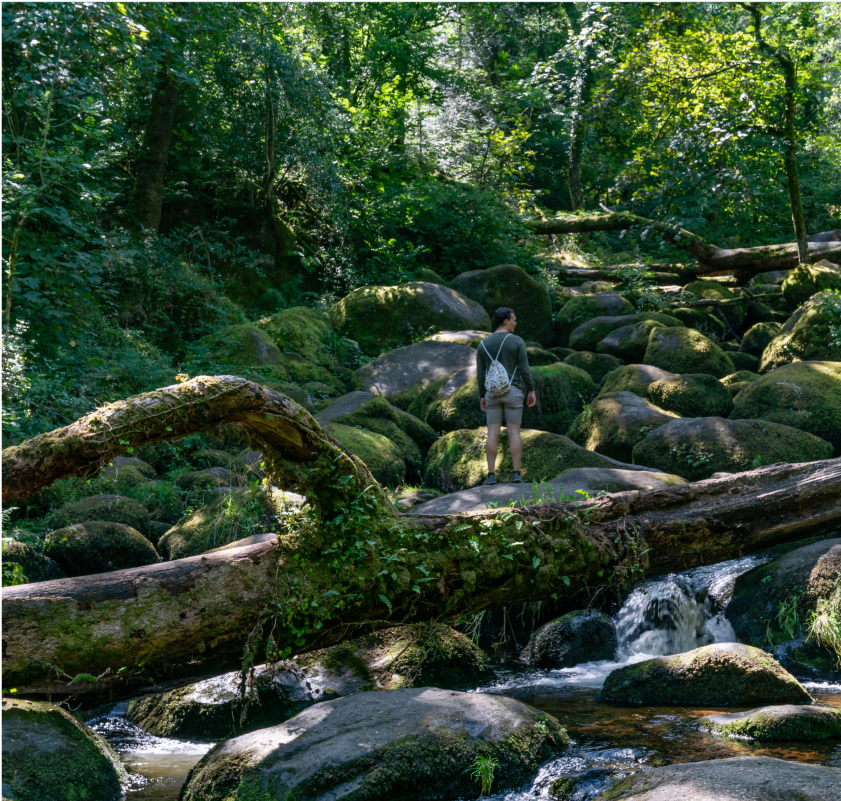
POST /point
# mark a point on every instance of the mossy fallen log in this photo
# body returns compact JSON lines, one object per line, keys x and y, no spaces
{"x":353,"y":564}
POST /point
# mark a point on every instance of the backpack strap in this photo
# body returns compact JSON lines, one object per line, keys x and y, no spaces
{"x":500,"y":348}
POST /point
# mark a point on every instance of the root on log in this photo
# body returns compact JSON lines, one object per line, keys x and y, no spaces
{"x":356,"y":564}
{"x":745,"y":262}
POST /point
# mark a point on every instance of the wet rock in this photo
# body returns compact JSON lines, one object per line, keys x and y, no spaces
{"x":457,"y":460}
{"x":581,"y":636}
{"x":34,"y":565}
{"x":597,"y":365}
{"x":807,"y":335}
{"x":48,"y":755}
{"x":698,"y":395}
{"x":786,"y":722}
{"x":111,"y":508}
{"x":634,"y":378}
{"x":722,"y":674}
{"x":98,"y":547}
{"x":577,"y":311}
{"x":510,"y":285}
{"x":407,"y":744}
{"x":698,"y":447}
{"x":386,"y":317}
{"x":804,"y":395}
{"x":217,"y":708}
{"x":683,"y":350}
{"x":736,"y":779}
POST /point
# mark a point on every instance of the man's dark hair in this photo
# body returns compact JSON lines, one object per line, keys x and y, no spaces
{"x":502,"y":314}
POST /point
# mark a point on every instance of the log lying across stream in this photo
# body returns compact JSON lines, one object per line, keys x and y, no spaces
{"x":357,"y":563}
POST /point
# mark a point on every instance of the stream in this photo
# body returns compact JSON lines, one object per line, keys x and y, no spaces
{"x":666,"y":615}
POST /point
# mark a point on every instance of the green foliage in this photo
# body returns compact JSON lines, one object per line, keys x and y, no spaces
{"x":825,"y":623}
{"x":482,"y":770}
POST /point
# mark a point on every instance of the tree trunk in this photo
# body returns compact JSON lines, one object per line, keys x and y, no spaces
{"x":354,"y":564}
{"x":711,"y":259}
{"x":145,"y":206}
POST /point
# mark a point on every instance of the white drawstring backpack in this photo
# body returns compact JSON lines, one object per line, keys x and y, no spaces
{"x":497,"y":382}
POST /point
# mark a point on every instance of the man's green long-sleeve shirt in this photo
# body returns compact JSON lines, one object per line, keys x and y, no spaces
{"x":513,"y":355}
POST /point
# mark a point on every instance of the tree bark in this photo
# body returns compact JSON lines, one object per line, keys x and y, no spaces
{"x":354,"y":564}
{"x":711,"y":259}
{"x":146,"y":203}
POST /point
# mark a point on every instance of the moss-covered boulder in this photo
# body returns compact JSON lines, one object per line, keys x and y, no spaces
{"x":113,"y":508}
{"x":701,"y":320}
{"x":630,"y":342}
{"x":214,"y":709}
{"x":48,"y":755}
{"x":722,"y":674}
{"x":470,"y":338}
{"x":380,"y":455}
{"x":33,"y":565}
{"x":561,"y":353}
{"x":712,"y":290}
{"x":210,"y":478}
{"x":804,"y":395}
{"x":613,"y":423}
{"x":412,"y":436}
{"x":757,"y":338}
{"x":736,"y":382}
{"x":128,"y":471}
{"x":692,"y":395}
{"x":538,"y":357}
{"x":742,"y":778}
{"x":209,"y":457}
{"x":754,"y":609}
{"x":408,"y":744}
{"x":230,"y":517}
{"x":810,"y":334}
{"x":596,"y":365}
{"x":305,"y":373}
{"x":457,"y":460}
{"x":510,"y":285}
{"x":807,"y":280}
{"x":402,"y":374}
{"x":300,"y":330}
{"x":577,"y":311}
{"x":744,"y":361}
{"x":240,"y":345}
{"x":429,"y":276}
{"x":580,"y":636}
{"x":785,"y":722}
{"x":684,"y":350}
{"x":636,"y":378}
{"x":697,"y":448}
{"x":381,"y":318}
{"x":98,"y":547}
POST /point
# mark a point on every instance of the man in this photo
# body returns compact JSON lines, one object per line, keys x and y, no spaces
{"x":510,"y":350}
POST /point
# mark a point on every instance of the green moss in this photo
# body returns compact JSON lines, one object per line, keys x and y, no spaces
{"x":35,"y":566}
{"x":683,"y":350}
{"x":301,"y":330}
{"x":810,"y":334}
{"x":636,"y":378}
{"x":778,"y":723}
{"x":711,"y":290}
{"x":429,"y":276}
{"x":98,"y":547}
{"x":457,"y":460}
{"x":596,"y":365}
{"x":379,"y":454}
{"x":211,"y":478}
{"x":539,"y":357}
{"x":629,"y":343}
{"x":510,"y":285}
{"x":807,"y":280}
{"x":48,"y":755}
{"x":110,"y":508}
{"x":381,"y":318}
{"x":579,"y":310}
{"x":757,"y":338}
{"x":241,"y":345}
{"x":229,"y":518}
{"x":744,"y":361}
{"x":698,"y":395}
{"x":705,"y":322}
{"x":588,"y":335}
{"x":804,"y":395}
{"x":301,"y":371}
{"x":697,"y":448}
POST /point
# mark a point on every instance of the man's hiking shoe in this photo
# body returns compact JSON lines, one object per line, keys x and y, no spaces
{"x":491,"y":479}
{"x":516,"y":479}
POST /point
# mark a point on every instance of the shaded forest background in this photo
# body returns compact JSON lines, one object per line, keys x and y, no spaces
{"x":172,"y":168}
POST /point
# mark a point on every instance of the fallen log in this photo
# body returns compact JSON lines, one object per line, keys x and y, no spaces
{"x":355,"y":563}
{"x":744,"y":262}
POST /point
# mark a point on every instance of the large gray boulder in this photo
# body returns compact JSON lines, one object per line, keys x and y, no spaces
{"x":510,"y":285}
{"x":386,"y":317}
{"x":808,"y":335}
{"x":612,"y":424}
{"x":630,"y":342}
{"x":698,"y":395}
{"x":746,"y":778}
{"x":785,"y":722}
{"x":98,"y":547}
{"x":722,"y":674}
{"x":588,"y":335}
{"x":581,"y":636}
{"x":48,"y":755}
{"x":406,"y":371}
{"x":402,"y":744}
{"x":346,"y":404}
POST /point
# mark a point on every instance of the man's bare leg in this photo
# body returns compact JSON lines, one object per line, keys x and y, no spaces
{"x":492,"y":446}
{"x":516,"y":446}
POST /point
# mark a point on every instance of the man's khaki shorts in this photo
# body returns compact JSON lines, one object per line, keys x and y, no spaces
{"x":512,"y":402}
